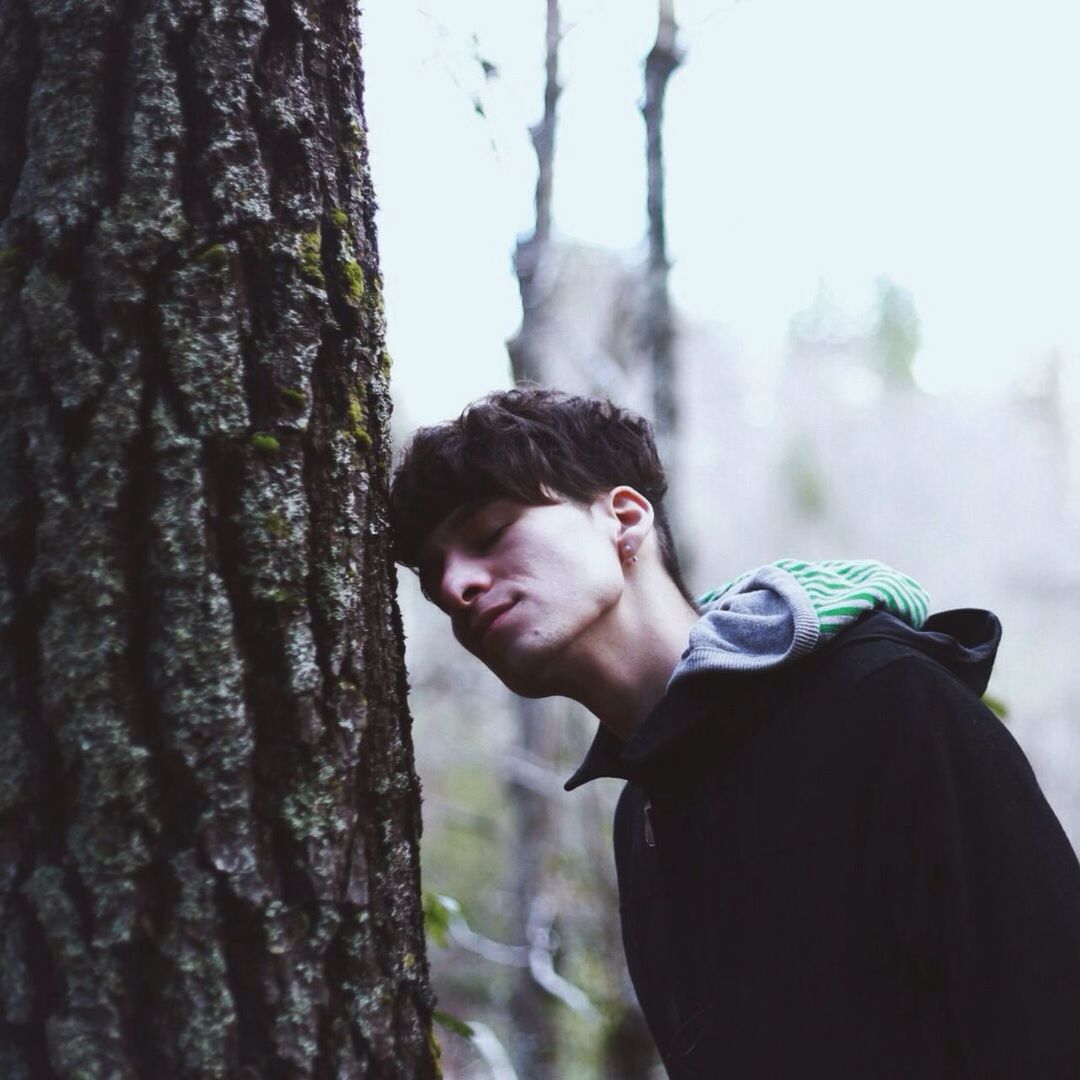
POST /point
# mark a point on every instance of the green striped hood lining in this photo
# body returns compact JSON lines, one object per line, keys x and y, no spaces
{"x":775,"y":613}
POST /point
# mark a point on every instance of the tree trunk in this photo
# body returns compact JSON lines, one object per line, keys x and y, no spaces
{"x":531,"y":253}
{"x":657,"y":325}
{"x":208,"y":809}
{"x":531,"y":1010}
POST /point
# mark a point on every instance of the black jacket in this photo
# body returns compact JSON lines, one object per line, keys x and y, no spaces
{"x":846,"y":868}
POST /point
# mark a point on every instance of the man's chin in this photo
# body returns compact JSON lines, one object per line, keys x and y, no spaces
{"x":526,"y":690}
{"x":525,"y":676}
{"x":521,"y":684}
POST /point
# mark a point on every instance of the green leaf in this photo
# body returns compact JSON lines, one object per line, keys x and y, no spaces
{"x":452,"y":1023}
{"x":438,"y":911}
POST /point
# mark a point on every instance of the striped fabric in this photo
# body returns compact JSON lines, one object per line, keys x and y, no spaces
{"x":843,"y":590}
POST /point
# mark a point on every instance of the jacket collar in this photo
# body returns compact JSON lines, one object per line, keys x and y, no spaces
{"x":965,"y":641}
{"x":676,"y":713}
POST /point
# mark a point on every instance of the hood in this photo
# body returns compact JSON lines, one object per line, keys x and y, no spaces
{"x":771,"y":616}
{"x":965,"y":641}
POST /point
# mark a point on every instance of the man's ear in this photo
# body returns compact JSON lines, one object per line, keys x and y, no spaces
{"x":634,"y":515}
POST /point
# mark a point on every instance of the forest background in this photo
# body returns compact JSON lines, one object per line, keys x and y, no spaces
{"x":873,"y":236}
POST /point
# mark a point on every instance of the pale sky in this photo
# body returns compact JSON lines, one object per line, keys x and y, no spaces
{"x":807,"y":144}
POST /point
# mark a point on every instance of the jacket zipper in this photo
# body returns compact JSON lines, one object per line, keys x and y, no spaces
{"x":650,"y":836}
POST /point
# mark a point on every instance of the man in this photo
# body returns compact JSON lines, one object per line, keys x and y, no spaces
{"x":833,"y":859}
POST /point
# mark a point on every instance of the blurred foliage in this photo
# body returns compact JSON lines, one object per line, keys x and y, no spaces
{"x":452,"y":1023}
{"x":438,"y":911}
{"x":897,"y":332}
{"x":805,"y":479}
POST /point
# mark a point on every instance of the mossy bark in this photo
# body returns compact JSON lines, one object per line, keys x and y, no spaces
{"x":208,"y":810}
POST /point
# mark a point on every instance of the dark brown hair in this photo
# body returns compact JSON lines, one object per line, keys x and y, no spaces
{"x":521,"y":444}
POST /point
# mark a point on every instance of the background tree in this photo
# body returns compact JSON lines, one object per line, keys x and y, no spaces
{"x":208,"y":810}
{"x":897,"y":332}
{"x":657,"y":322}
{"x":534,"y":1040}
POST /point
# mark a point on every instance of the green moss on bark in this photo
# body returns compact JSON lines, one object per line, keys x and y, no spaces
{"x":214,"y":255}
{"x":354,"y":281}
{"x":265,"y":444}
{"x":310,"y":254}
{"x":294,"y":397}
{"x":358,"y":423}
{"x":276,"y":525}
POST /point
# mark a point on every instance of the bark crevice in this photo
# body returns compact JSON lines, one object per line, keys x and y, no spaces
{"x":134,"y":512}
{"x":259,"y":644}
{"x":117,"y":93}
{"x":195,"y":116}
{"x":256,"y":286}
{"x":22,"y":46}
{"x":30,"y":830}
{"x":318,"y":521}
{"x":244,"y":952}
{"x":156,"y":370}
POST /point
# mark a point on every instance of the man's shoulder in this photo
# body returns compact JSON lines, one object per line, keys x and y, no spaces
{"x":877,"y":677}
{"x":871,"y":661}
{"x":888,"y":698}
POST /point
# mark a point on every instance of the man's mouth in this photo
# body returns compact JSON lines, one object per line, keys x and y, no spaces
{"x":489,"y":618}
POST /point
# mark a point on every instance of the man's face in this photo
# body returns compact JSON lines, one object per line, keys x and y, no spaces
{"x":526,"y":587}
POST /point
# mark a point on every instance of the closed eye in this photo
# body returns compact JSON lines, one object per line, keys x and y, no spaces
{"x":489,"y":540}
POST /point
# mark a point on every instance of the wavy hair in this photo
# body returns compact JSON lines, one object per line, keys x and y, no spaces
{"x":524,"y":444}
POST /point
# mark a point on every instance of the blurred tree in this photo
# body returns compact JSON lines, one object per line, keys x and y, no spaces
{"x":658,"y":333}
{"x":822,"y":328}
{"x":533,"y":1037}
{"x":896,"y":333}
{"x":208,"y":809}
{"x":532,"y":252}
{"x":805,"y":478}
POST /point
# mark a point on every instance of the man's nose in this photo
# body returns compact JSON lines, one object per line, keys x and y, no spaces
{"x":464,"y":580}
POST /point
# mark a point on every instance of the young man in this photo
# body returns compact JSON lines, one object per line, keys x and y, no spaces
{"x":833,"y":859}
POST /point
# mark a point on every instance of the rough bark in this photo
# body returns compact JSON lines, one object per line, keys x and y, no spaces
{"x":208,"y":810}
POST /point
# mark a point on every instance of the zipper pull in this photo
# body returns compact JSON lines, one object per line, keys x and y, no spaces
{"x":650,"y":837}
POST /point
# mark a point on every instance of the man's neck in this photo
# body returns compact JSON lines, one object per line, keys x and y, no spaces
{"x":632,"y":656}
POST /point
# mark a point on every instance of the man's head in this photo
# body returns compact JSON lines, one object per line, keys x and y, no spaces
{"x":527,"y":444}
{"x":536,"y":494}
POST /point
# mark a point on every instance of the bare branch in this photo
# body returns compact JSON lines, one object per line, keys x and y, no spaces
{"x":538,"y":956}
{"x":532,"y":774}
{"x":492,"y":1051}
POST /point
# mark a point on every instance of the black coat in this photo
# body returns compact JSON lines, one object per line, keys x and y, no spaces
{"x":846,"y":868}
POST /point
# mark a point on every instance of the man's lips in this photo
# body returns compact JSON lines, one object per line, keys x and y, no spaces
{"x":487,"y":617}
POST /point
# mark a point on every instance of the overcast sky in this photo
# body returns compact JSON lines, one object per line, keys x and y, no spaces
{"x":808,"y":144}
